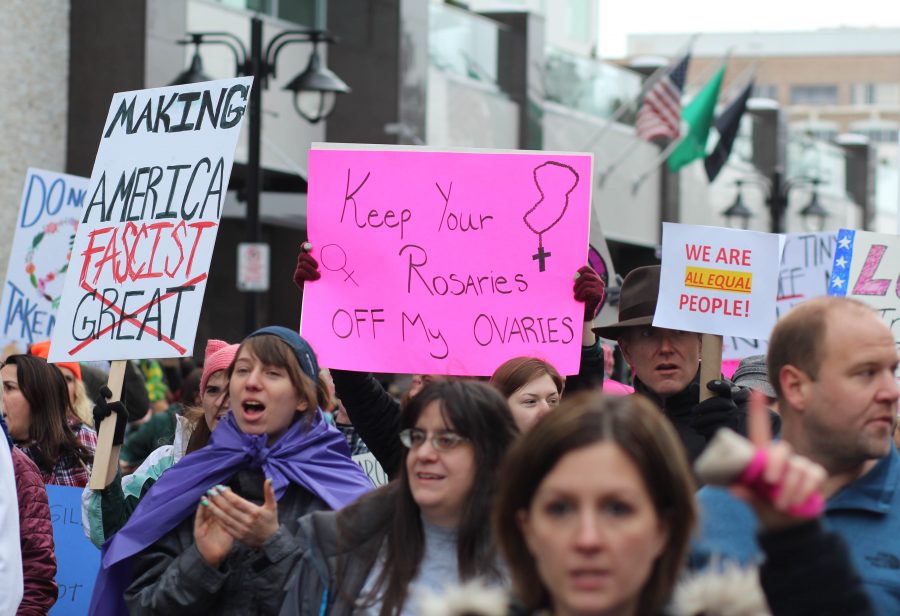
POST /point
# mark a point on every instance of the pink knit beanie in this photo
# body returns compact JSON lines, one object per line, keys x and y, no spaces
{"x":219,"y":355}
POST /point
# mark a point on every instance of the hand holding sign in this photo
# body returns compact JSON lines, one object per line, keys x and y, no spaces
{"x":307,"y":266}
{"x":104,"y":406}
{"x":590,"y":290}
{"x":719,"y":410}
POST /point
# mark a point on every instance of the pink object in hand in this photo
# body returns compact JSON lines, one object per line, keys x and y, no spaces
{"x":752,"y":477}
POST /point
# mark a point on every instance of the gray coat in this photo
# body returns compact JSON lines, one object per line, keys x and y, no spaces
{"x":170,"y":577}
{"x":330,"y":572}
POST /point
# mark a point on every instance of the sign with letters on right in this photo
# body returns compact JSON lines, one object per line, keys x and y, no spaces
{"x":867,"y":268}
{"x":806,"y":260}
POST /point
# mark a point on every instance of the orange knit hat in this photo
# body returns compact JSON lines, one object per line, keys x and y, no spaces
{"x":42,"y":349}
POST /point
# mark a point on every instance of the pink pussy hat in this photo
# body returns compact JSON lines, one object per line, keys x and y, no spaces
{"x":219,"y":355}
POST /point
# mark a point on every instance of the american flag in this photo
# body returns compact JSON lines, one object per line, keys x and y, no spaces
{"x":660,"y":115}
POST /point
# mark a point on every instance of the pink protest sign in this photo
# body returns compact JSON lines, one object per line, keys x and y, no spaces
{"x":445,"y":262}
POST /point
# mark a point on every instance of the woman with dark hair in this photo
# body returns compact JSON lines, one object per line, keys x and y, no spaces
{"x":579,"y":541}
{"x":426,"y":530}
{"x":531,"y":386}
{"x":36,"y":406}
{"x":216,"y":532}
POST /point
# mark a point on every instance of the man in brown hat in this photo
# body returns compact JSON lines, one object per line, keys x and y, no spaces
{"x":666,"y":366}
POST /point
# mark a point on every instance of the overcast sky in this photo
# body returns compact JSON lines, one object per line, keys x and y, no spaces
{"x":618,"y":18}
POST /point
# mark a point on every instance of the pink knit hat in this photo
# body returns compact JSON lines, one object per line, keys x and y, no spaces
{"x":219,"y":355}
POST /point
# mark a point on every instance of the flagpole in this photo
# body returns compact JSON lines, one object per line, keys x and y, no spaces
{"x":745,"y":76}
{"x":659,"y":159}
{"x":601,"y":177}
{"x":675,"y":143}
{"x":648,"y":83}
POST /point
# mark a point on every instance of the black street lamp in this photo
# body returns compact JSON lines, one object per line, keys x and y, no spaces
{"x":777,"y":191}
{"x":737,"y":214}
{"x":314,"y":89}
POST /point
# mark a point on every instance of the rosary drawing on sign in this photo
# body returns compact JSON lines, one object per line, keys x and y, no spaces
{"x":555,"y":181}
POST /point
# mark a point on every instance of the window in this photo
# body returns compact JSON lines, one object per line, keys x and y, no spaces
{"x":814,"y":95}
{"x":762,"y":90}
{"x":862,"y":94}
{"x":820,"y":130}
{"x":877,"y":132}
{"x":875,"y":94}
{"x":297,"y":11}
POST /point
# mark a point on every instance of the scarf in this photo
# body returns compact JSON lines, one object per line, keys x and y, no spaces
{"x":315,"y":457}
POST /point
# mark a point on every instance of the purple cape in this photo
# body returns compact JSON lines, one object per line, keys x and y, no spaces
{"x":316,"y":458}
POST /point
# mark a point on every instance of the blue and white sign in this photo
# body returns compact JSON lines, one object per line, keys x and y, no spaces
{"x":45,"y":228}
{"x":77,"y":559}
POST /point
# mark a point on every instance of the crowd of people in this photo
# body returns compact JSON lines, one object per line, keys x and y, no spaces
{"x":524,"y":493}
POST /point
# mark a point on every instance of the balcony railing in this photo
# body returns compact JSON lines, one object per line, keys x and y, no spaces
{"x":588,"y":85}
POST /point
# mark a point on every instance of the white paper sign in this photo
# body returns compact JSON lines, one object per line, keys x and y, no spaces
{"x":141,"y":257}
{"x":805,"y":269}
{"x":372,"y":468}
{"x":867,"y":268}
{"x":253,"y":266}
{"x":718,"y":281}
{"x":52,"y":204}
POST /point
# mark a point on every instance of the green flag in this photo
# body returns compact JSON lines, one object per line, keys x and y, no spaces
{"x":699,"y":116}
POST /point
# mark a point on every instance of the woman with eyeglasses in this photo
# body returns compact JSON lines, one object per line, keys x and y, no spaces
{"x":423,"y":532}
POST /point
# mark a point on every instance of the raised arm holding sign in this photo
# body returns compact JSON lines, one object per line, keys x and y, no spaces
{"x":146,"y":235}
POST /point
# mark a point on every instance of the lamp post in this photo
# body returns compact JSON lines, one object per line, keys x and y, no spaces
{"x":777,"y":192}
{"x":315,"y":81}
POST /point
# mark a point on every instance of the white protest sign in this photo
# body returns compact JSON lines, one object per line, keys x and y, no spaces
{"x":141,"y":256}
{"x":718,"y":281}
{"x":52,"y":204}
{"x":805,"y":270}
{"x":370,"y":465}
{"x":867,"y":268}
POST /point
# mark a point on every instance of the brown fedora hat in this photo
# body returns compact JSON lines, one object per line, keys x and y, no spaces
{"x":637,"y":301}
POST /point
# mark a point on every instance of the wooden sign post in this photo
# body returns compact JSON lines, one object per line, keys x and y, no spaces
{"x":710,"y":363}
{"x":106,"y":457}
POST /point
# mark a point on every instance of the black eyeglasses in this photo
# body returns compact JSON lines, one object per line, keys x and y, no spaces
{"x":444,"y":440}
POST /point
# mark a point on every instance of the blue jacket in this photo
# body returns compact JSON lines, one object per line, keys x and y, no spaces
{"x":865,"y":513}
